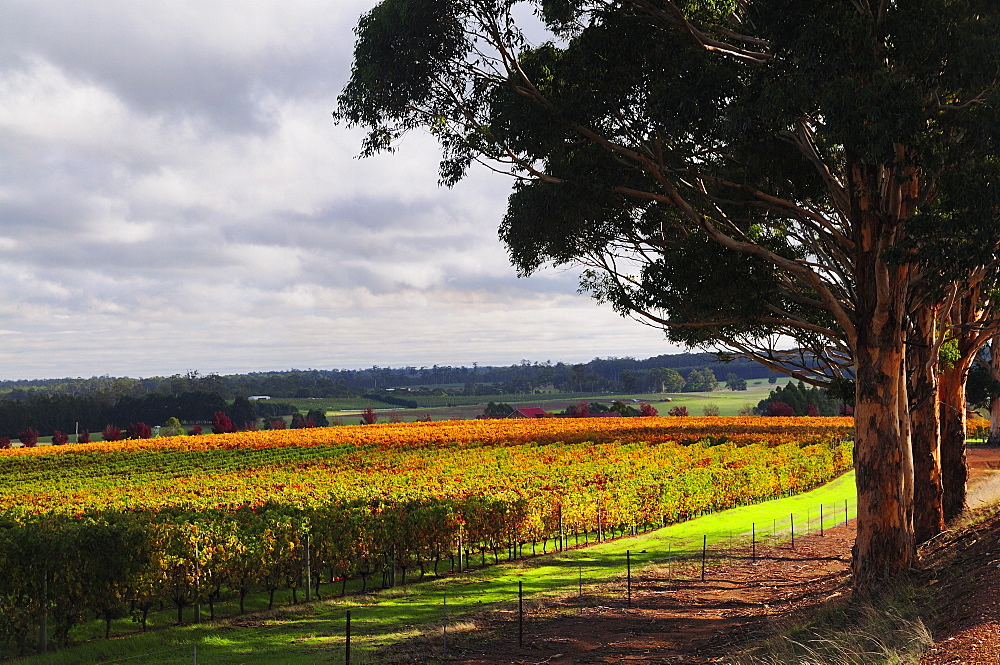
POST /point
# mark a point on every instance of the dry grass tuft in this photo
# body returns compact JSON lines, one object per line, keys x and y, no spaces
{"x":893,"y":633}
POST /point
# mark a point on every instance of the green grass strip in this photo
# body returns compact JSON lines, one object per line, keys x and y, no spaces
{"x":315,"y":633}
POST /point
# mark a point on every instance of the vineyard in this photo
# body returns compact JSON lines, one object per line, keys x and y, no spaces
{"x":101,"y":529}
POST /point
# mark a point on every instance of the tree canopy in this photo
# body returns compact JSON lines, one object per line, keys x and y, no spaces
{"x":766,"y":176}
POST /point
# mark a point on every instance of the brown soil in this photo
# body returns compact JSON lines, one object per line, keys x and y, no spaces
{"x":686,"y":620}
{"x":967,"y":603}
{"x":968,"y":576}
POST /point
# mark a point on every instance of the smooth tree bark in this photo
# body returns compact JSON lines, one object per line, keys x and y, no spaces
{"x":925,"y":424}
{"x":885,"y":543}
{"x":994,"y":439}
{"x":954,"y":466}
{"x":972,"y":324}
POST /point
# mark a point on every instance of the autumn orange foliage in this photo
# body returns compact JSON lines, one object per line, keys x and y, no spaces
{"x":535,"y":459}
{"x":499,"y":432}
{"x":137,"y":521}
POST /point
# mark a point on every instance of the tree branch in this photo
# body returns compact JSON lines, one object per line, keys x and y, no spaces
{"x":673,"y":16}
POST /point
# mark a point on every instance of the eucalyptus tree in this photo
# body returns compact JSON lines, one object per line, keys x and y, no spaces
{"x":954,"y":248}
{"x":741,"y":173}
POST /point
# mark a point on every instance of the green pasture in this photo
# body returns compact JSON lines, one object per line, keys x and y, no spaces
{"x":462,"y":407}
{"x":315,"y":632}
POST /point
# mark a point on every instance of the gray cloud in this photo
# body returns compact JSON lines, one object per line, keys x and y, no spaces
{"x":174,"y":195}
{"x":185,"y":56}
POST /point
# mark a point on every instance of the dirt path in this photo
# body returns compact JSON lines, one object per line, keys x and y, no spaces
{"x":682,"y":620}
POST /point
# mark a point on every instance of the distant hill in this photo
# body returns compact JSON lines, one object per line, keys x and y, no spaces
{"x":600,"y":374}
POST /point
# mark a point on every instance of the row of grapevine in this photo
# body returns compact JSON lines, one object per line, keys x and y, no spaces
{"x":59,"y":566}
{"x":739,"y":430}
{"x":405,"y":462}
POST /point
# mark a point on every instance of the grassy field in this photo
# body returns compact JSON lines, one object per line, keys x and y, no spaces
{"x":461,"y":407}
{"x":314,"y":632}
{"x":347,"y":411}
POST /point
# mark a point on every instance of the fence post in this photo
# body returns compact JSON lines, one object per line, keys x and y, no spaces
{"x":445,"y":627}
{"x":520,"y":613}
{"x":669,"y":562}
{"x":600,"y":526}
{"x":562,"y":543}
{"x":753,"y":541}
{"x":791,"y":519}
{"x":821,"y":519}
{"x":845,"y":512}
{"x":308,"y":572}
{"x":195,"y":661}
{"x":43,"y":628}
{"x":704,"y":552}
{"x":628,"y":575}
{"x":197,"y":585}
{"x":347,"y":640}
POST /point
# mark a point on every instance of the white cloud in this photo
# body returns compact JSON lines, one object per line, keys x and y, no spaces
{"x":174,"y":195}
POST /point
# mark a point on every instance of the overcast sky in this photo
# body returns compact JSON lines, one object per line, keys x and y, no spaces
{"x":174,"y":195}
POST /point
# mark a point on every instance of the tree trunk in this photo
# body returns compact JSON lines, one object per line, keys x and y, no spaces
{"x":925,"y":427}
{"x":885,"y":544}
{"x":994,"y":439}
{"x":972,"y":327}
{"x":995,"y":402}
{"x":954,"y":470}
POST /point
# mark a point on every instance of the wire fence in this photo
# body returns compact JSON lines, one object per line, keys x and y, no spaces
{"x":686,"y":560}
{"x":356,"y":637}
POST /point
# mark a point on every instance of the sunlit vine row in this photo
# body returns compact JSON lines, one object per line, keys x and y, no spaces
{"x":496,"y":432}
{"x":397,"y":462}
{"x":181,"y":520}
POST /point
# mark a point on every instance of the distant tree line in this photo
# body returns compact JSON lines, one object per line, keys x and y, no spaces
{"x":795,"y":399}
{"x":598,"y":375}
{"x":91,"y":404}
{"x":393,"y":400}
{"x":48,"y":413}
{"x":580,"y":410}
